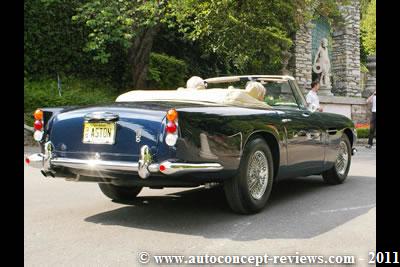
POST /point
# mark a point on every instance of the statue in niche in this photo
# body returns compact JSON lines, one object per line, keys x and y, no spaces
{"x":322,"y":64}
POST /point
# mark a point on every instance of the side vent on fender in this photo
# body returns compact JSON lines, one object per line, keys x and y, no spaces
{"x":331,"y":131}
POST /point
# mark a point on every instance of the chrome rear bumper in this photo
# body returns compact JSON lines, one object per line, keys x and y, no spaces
{"x":143,"y":168}
{"x":165,"y":167}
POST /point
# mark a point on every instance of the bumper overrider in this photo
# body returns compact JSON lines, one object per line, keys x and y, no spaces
{"x":144,"y":167}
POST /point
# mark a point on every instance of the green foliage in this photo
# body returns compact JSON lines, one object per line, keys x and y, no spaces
{"x":96,"y":39}
{"x":368,"y":29}
{"x":246,"y":36}
{"x":54,"y":44}
{"x":363,"y":7}
{"x":363,"y":68}
{"x":328,"y":9}
{"x":199,"y":62}
{"x":115,"y":23}
{"x":51,"y":43}
{"x":237,"y":32}
{"x":362,"y":132}
{"x":44,"y":93}
{"x":166,"y":72}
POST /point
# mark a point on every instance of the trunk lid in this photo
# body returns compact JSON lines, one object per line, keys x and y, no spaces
{"x":138,"y":124}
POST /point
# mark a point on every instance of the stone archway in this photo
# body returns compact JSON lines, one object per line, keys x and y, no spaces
{"x":345,"y":54}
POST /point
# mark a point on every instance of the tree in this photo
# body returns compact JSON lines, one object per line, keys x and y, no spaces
{"x":131,"y":24}
{"x":244,"y":35}
{"x":368,"y":29}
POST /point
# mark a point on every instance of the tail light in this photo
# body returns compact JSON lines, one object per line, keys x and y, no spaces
{"x":172,"y":115}
{"x":38,"y":114}
{"x":38,"y":125}
{"x":172,"y":127}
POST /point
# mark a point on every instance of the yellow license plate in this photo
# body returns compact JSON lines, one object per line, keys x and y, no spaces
{"x":99,"y":133}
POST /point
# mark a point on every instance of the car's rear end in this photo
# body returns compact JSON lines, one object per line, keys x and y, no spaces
{"x":121,"y":143}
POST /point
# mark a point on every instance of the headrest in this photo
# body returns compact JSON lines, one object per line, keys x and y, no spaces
{"x":196,"y":82}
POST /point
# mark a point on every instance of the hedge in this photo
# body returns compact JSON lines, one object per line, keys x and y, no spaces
{"x":44,"y":93}
{"x":166,"y":72}
{"x":362,"y":132}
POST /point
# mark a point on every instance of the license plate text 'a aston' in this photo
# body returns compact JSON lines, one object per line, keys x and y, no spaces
{"x":99,"y":133}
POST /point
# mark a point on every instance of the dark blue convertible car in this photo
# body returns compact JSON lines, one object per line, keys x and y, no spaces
{"x":191,"y":137}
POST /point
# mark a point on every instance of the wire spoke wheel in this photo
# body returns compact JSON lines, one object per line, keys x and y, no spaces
{"x":257,"y":174}
{"x":342,"y":159}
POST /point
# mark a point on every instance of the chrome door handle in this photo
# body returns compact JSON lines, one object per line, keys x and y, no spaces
{"x":305,"y":114}
{"x":286,"y":120}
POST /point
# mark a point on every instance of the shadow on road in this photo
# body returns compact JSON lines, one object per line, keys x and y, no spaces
{"x":299,"y":208}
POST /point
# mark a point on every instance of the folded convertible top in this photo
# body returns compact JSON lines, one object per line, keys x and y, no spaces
{"x":234,"y":97}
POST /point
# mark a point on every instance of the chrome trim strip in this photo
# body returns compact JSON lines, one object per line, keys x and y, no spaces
{"x":95,"y":164}
{"x":179,"y":168}
{"x":226,"y":79}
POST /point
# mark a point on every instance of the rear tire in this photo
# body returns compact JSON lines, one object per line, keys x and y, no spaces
{"x":250,"y":189}
{"x":338,"y":173}
{"x":120,"y":193}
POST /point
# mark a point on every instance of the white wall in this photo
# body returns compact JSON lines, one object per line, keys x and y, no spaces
{"x":342,"y":109}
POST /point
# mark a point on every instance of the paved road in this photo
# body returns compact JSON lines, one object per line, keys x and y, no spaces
{"x":68,"y":223}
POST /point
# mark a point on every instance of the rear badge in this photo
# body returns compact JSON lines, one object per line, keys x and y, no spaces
{"x":63,"y":147}
{"x":138,"y":135}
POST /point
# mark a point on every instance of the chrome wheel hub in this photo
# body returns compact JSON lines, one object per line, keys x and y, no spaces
{"x":342,"y":159}
{"x":257,"y":174}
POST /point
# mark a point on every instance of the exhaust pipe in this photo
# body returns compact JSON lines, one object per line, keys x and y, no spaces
{"x":48,"y":173}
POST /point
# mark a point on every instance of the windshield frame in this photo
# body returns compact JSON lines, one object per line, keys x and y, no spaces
{"x":301,"y":101}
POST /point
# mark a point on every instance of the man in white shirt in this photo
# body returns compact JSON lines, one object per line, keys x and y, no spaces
{"x":372,"y":125}
{"x":312,"y":97}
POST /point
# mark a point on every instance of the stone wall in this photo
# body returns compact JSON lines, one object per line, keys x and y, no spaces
{"x":371,"y":76}
{"x":360,"y":113}
{"x":346,"y":52}
{"x":302,"y":57}
{"x":355,"y":109}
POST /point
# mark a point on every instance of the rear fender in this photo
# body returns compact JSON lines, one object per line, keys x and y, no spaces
{"x":49,"y":113}
{"x":276,"y":143}
{"x":48,"y":116}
